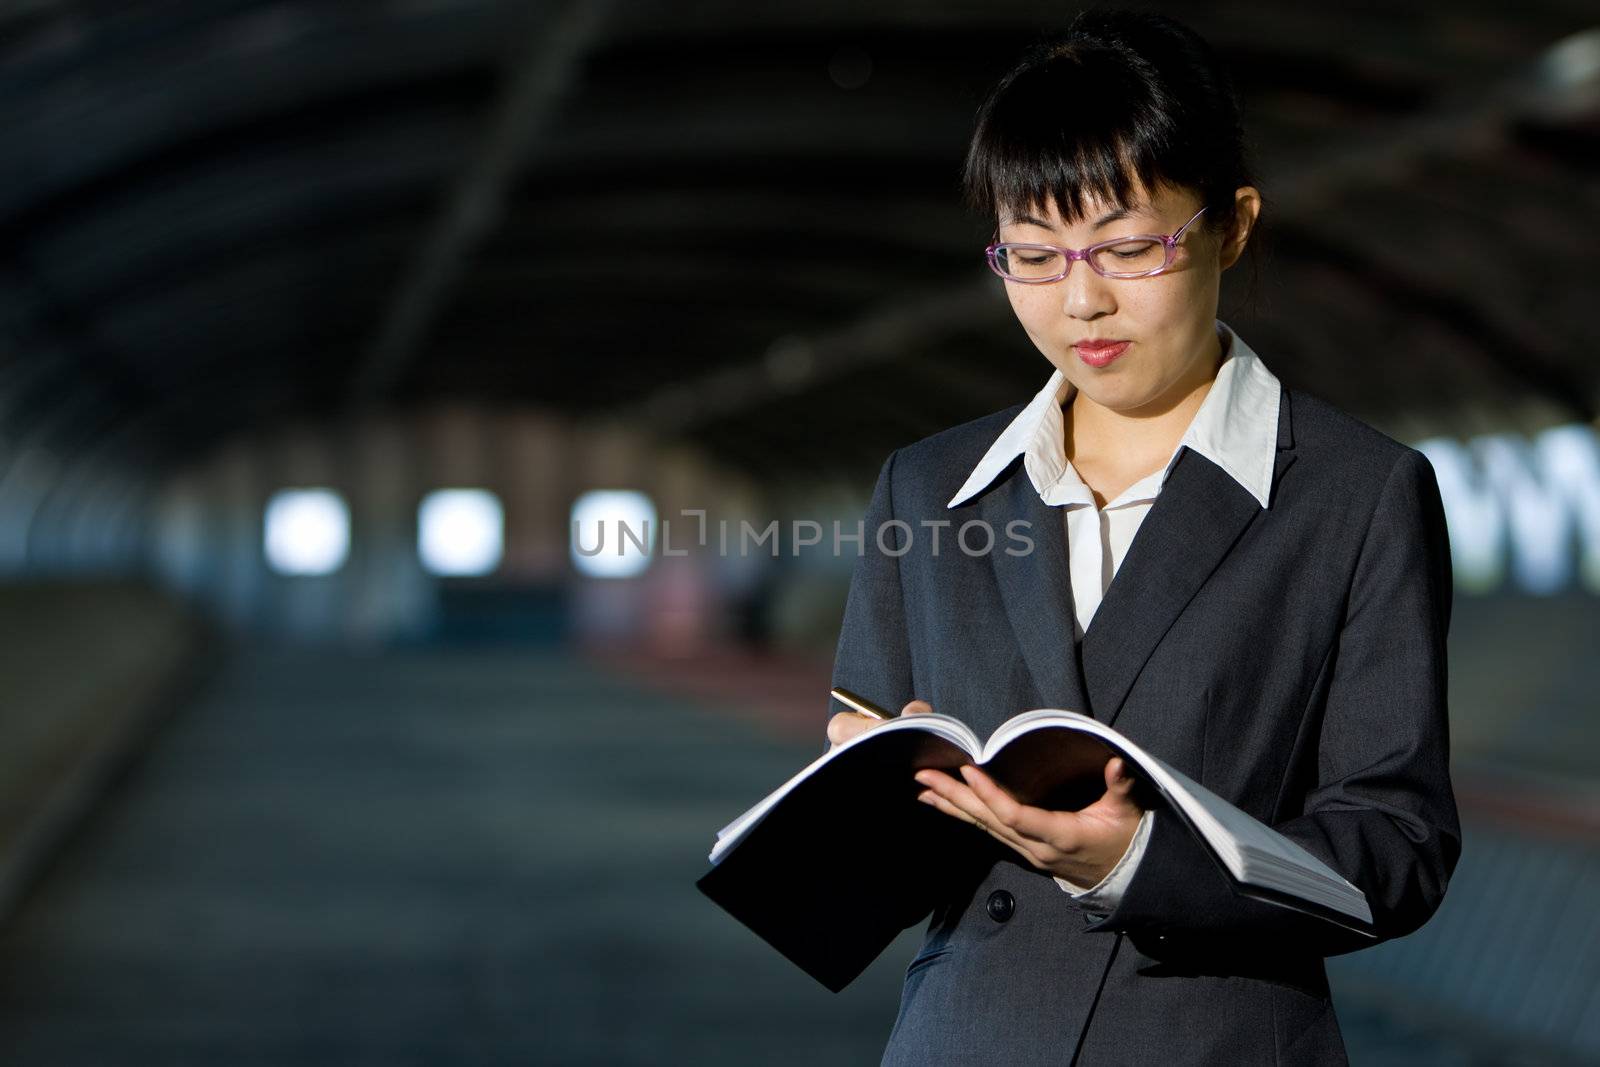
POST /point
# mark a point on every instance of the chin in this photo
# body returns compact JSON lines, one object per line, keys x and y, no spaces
{"x":1119,"y":400}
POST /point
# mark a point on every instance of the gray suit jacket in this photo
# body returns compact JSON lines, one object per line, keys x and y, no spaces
{"x":1291,"y":660}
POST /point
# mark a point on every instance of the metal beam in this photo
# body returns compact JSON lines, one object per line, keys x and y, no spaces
{"x":536,"y":82}
{"x":1564,"y":78}
{"x":794,"y":363}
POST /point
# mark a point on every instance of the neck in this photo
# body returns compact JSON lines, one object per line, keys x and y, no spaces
{"x":1152,"y":430}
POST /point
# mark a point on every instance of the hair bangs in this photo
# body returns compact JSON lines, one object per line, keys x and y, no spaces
{"x":1031,"y":149}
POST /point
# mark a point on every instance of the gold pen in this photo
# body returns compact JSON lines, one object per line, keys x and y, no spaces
{"x":860,"y":704}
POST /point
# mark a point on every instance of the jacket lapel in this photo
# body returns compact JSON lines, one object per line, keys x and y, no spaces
{"x":1193,"y":524}
{"x":1036,"y":589}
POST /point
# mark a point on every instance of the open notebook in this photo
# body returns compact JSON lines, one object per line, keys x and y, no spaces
{"x":848,"y":826}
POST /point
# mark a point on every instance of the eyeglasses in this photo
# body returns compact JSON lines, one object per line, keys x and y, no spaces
{"x":1136,"y":256}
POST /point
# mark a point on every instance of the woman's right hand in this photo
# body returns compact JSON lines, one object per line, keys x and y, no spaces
{"x":847,"y":724}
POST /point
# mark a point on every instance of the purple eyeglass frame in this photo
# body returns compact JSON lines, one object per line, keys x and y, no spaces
{"x":1075,"y":254}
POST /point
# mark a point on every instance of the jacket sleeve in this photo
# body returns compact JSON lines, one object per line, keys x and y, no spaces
{"x":873,"y":657}
{"x":1382,"y":812}
{"x":874,"y":660}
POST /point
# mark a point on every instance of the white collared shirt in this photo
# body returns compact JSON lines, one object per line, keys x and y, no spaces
{"x":1236,"y":427}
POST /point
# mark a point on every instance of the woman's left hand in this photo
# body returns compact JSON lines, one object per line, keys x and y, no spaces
{"x":1080,"y":846}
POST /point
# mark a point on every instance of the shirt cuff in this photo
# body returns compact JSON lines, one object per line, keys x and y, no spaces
{"x":1108,"y":891}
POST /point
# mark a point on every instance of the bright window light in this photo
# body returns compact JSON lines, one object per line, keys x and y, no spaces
{"x":307,"y":531}
{"x":460,"y":531}
{"x":608,"y":528}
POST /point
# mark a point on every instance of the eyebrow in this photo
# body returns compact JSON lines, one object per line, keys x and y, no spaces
{"x":1114,"y":216}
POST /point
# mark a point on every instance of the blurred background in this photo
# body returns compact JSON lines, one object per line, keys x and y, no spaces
{"x":330,"y":332}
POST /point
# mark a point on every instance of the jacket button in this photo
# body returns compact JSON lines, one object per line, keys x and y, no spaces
{"x":1001,"y":905}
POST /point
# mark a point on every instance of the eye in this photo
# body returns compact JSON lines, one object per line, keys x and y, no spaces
{"x":1133,"y":256}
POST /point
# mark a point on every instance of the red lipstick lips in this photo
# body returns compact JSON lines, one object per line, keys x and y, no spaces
{"x":1100,"y":353}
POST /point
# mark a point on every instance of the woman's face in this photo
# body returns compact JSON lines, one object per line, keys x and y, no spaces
{"x":1168,"y":318}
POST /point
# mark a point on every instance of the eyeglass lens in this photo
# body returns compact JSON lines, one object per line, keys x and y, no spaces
{"x":1134,"y":256}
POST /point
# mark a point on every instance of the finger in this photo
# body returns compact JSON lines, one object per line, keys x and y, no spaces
{"x":1035,"y":825}
{"x":985,"y":824}
{"x":928,"y":796}
{"x":941,"y":780}
{"x":917,"y":707}
{"x":987,"y":790}
{"x":1117,"y":776}
{"x":1119,"y":781}
{"x":839,"y":729}
{"x":1116,"y":806}
{"x":953,"y":791}
{"x":961,"y":797}
{"x":846,"y":724}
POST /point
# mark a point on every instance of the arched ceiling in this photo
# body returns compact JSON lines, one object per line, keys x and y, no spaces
{"x":734,"y":223}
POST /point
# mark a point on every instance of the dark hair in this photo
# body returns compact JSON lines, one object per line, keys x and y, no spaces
{"x":1118,"y":95}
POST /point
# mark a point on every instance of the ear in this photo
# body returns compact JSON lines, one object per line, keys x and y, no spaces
{"x":1247,"y":207}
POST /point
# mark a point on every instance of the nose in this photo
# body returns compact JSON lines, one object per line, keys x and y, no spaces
{"x":1084,"y":294}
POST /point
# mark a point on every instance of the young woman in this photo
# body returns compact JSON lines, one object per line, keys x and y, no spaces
{"x":1276,"y":628}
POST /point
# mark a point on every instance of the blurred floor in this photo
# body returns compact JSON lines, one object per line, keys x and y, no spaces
{"x":431,"y":858}
{"x":472,"y":856}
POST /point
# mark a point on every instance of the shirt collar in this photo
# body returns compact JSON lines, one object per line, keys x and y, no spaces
{"x":1236,"y":428}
